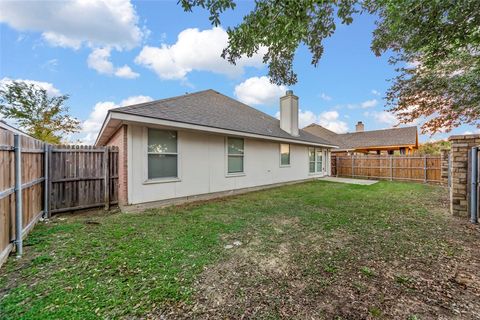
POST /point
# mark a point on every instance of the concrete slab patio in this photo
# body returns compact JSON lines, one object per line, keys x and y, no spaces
{"x":349,"y":180}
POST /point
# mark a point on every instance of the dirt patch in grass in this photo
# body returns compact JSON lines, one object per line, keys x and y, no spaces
{"x":422,"y":265}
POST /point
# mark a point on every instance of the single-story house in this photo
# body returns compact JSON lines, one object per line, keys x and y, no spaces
{"x":205,"y":144}
{"x":387,"y":141}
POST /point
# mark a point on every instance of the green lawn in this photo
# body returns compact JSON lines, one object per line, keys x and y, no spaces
{"x":313,"y":250}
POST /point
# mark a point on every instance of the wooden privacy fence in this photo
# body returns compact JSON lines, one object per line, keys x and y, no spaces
{"x":37,"y":179}
{"x":404,"y":168}
{"x":23,"y":195}
{"x":82,"y":177}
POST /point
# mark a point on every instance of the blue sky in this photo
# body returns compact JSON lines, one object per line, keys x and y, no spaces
{"x":106,"y":54}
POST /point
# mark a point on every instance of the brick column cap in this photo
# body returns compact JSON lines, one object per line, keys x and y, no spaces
{"x":464,"y":136}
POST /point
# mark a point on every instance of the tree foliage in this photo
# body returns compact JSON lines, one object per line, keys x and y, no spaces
{"x":42,"y":116}
{"x":435,"y":45}
{"x":279,"y":26}
{"x":440,"y":43}
{"x":433,"y":148}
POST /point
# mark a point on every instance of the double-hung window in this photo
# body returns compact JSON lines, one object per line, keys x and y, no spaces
{"x":162,"y":154}
{"x":235,"y":155}
{"x":315,"y":158}
{"x":284,"y":154}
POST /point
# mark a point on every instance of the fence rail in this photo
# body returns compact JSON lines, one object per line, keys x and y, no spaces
{"x":405,"y":168}
{"x":37,"y":180}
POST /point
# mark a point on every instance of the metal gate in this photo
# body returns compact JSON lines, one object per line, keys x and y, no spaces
{"x":474,"y":185}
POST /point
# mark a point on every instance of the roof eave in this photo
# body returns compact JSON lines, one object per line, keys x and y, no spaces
{"x":102,"y":129}
{"x":129,"y":118}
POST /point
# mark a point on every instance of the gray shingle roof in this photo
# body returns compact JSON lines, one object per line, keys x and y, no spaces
{"x":374,"y":138}
{"x":212,"y":109}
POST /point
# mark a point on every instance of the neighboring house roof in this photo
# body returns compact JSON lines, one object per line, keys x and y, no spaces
{"x":214,"y":110}
{"x":6,"y":126}
{"x":406,"y":136}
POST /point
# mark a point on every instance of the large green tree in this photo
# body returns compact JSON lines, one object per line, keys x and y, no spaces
{"x":42,"y":116}
{"x":435,"y":45}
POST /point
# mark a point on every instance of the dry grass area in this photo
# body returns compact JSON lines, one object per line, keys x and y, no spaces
{"x":316,"y":250}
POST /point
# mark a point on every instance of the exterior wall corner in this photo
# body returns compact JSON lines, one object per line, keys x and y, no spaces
{"x":119,"y":140}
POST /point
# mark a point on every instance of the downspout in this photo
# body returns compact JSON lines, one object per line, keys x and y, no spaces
{"x":473,"y":188}
{"x":18,"y":196}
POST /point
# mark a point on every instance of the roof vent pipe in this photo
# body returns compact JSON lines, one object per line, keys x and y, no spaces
{"x":289,"y":113}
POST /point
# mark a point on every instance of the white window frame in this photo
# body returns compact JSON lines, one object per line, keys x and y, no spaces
{"x":323,"y":168}
{"x":234,"y":174}
{"x":146,"y":153}
{"x":289,"y":155}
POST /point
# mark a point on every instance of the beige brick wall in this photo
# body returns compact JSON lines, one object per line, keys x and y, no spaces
{"x":119,"y":139}
{"x":445,"y":154}
{"x":460,"y":173}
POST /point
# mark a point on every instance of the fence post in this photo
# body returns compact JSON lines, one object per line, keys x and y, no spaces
{"x":50,"y":180}
{"x":353,"y":166}
{"x":46,"y":207}
{"x":425,"y":168}
{"x":391,"y":168}
{"x":18,"y":195}
{"x":106,"y":167}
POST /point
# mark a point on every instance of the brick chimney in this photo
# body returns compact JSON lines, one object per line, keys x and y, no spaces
{"x":359,"y":127}
{"x":289,"y":113}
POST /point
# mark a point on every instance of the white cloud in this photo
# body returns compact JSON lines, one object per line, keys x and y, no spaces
{"x":99,"y":60}
{"x":325,"y":97}
{"x":135,"y":100}
{"x":51,"y":90}
{"x":194,"y":50}
{"x":362,"y":105}
{"x":327,"y":119}
{"x":73,"y":23}
{"x":259,"y":91}
{"x":126,"y":72}
{"x":330,"y":120}
{"x":93,"y":124}
{"x":59,"y":40}
{"x":50,"y":65}
{"x":383,"y":117}
{"x":369,"y":104}
{"x":375,"y":92}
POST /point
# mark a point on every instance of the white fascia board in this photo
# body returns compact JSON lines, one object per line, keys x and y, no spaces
{"x":104,"y":125}
{"x":167,"y":123}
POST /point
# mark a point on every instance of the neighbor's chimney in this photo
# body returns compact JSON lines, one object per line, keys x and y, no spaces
{"x":359,"y":127}
{"x":289,"y":113}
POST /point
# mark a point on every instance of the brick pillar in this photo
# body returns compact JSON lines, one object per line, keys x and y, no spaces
{"x":445,"y":154}
{"x":460,"y":173}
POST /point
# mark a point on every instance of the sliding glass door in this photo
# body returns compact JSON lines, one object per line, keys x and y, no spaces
{"x":317,"y":158}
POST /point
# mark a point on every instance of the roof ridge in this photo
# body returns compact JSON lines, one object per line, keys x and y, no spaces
{"x":376,"y":130}
{"x":163,"y":100}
